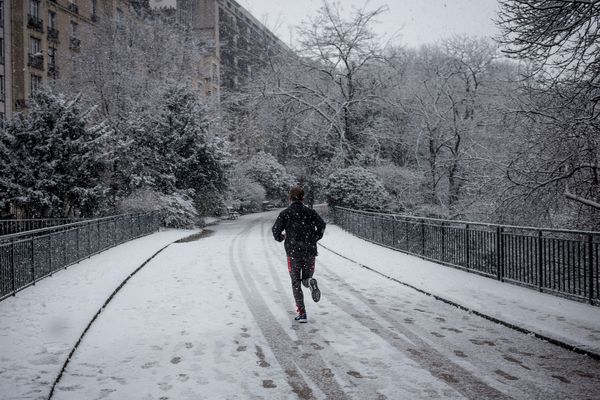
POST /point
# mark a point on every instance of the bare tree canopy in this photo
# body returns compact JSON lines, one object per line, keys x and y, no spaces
{"x":560,"y":34}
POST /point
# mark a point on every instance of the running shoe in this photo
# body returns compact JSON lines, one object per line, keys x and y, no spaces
{"x":314,"y":289}
{"x":301,"y":318}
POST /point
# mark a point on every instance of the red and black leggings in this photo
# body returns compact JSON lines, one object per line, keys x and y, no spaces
{"x":300,"y":269}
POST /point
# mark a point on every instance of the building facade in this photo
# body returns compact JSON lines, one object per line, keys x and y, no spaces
{"x":5,"y":60}
{"x":239,"y":43}
{"x":40,"y":37}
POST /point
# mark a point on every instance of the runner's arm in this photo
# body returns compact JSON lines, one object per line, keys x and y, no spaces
{"x":319,"y":226}
{"x":278,"y":228}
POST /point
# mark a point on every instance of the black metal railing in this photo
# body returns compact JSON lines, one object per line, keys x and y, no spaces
{"x":53,"y":34}
{"x":74,"y":43}
{"x":29,"y":256}
{"x":35,"y":23}
{"x":560,"y":262}
{"x":12,"y":226}
{"x":36,"y":61}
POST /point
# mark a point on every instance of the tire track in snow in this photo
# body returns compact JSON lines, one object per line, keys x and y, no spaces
{"x":416,"y":348}
{"x":279,"y":341}
{"x":411,"y":345}
{"x":269,"y":246}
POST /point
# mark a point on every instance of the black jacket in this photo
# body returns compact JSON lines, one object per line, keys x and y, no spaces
{"x":303,"y":228}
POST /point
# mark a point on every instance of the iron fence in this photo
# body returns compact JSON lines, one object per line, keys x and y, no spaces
{"x":560,"y":262}
{"x":27,"y":257}
{"x":11,"y":226}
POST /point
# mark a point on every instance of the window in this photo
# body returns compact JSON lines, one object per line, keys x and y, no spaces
{"x":34,"y":8}
{"x":1,"y":50}
{"x":51,"y":20}
{"x":119,"y":15}
{"x":74,"y":26}
{"x":51,"y":56}
{"x":2,"y":12}
{"x":1,"y":87}
{"x":36,"y":83}
{"x":94,"y":6}
{"x":34,"y":46}
{"x":73,"y":6}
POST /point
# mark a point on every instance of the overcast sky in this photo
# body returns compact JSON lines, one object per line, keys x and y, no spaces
{"x":417,"y":21}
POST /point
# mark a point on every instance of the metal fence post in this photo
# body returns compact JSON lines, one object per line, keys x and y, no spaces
{"x":407,"y":238}
{"x":467,"y":247}
{"x":422,"y":237}
{"x":591,"y":268}
{"x":499,"y":272}
{"x":33,"y":260}
{"x":394,"y":232}
{"x":50,"y":254}
{"x":443,"y":242}
{"x":65,"y":237}
{"x":540,"y":263}
{"x":77,"y":242}
{"x":373,"y":228}
{"x":12,"y":267}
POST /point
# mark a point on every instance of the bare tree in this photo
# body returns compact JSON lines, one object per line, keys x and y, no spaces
{"x":449,"y":106}
{"x":560,"y":41}
{"x":560,"y":34}
{"x":336,"y":51}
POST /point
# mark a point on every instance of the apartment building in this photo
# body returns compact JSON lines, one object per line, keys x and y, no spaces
{"x":5,"y":60}
{"x":239,"y":43}
{"x":40,"y":37}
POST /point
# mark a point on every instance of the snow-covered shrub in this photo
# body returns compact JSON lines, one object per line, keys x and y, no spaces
{"x":403,"y":185}
{"x":53,"y":159}
{"x":245,"y":195}
{"x":176,"y":210}
{"x":355,"y":187}
{"x":266,"y":170}
{"x":210,"y":203}
{"x":173,"y":151}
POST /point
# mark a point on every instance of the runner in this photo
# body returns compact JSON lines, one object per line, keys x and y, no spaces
{"x":303,"y":228}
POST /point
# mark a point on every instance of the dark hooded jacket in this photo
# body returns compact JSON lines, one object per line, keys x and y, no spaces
{"x":303,"y":228}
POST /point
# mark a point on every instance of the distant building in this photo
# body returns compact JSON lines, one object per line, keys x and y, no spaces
{"x":240,"y":44}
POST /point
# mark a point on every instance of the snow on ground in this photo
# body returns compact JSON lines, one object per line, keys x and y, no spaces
{"x":213,"y":319}
{"x":41,"y":324}
{"x":569,"y":321}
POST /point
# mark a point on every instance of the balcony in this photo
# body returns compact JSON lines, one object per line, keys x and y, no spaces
{"x":35,"y":23}
{"x":74,"y":43}
{"x":73,"y":8}
{"x":53,"y":34}
{"x":53,"y":70}
{"x":36,"y":61}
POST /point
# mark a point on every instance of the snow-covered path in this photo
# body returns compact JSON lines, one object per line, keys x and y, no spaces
{"x":212,"y":319}
{"x":41,"y":324}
